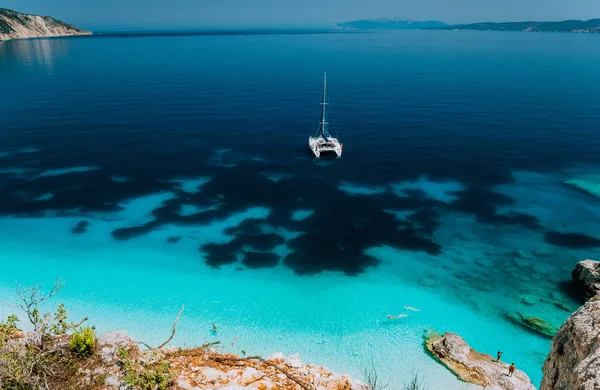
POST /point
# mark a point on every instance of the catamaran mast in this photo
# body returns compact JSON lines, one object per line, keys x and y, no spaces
{"x":323,"y":124}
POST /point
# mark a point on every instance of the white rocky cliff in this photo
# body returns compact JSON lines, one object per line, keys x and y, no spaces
{"x":574,"y":360}
{"x":15,"y":25}
{"x":587,"y":276}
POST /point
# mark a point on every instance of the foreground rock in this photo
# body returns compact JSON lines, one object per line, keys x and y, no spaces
{"x":212,"y":370}
{"x":121,"y":362}
{"x":17,"y":25}
{"x":574,"y":360}
{"x":474,"y":367}
{"x":115,"y":362}
{"x":587,"y":276}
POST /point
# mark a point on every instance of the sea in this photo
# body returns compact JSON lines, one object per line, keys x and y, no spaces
{"x":151,"y":171}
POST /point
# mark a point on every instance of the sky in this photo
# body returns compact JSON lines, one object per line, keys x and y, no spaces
{"x":184,"y":14}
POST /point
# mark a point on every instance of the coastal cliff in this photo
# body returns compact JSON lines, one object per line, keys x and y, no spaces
{"x":587,"y":277}
{"x":14,"y":25}
{"x":574,"y":360}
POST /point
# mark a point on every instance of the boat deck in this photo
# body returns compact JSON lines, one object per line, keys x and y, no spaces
{"x":320,"y":145}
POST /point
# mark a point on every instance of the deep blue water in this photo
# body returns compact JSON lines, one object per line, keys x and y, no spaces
{"x":459,"y":116}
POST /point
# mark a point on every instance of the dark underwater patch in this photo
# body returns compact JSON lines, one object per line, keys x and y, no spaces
{"x":173,"y":240}
{"x":80,"y":228}
{"x":134,"y":231}
{"x":312,"y":254}
{"x":220,"y":254}
{"x":260,"y":242}
{"x":334,"y":238}
{"x":571,"y":240}
{"x":260,"y":260}
{"x":484,"y":202}
{"x":249,"y":226}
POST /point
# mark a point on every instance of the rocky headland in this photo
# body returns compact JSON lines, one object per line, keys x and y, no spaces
{"x":15,"y":25}
{"x":474,"y":367}
{"x":572,"y":364}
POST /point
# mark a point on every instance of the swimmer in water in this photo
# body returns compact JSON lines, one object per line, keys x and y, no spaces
{"x":214,"y":329}
{"x":411,"y":308}
{"x":397,"y":316}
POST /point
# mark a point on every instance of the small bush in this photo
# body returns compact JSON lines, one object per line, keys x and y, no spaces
{"x":10,"y":325}
{"x":150,"y":378}
{"x":83,"y":342}
{"x":143,"y":376}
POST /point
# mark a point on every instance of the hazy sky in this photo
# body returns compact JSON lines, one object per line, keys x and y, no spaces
{"x":132,"y":14}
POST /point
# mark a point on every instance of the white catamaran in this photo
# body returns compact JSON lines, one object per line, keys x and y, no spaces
{"x":322,"y":141}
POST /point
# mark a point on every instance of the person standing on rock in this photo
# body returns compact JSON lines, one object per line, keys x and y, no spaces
{"x":499,"y":356}
{"x":511,"y":369}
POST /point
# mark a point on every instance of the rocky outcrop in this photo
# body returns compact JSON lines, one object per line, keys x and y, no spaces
{"x":574,"y":360}
{"x":474,"y":367}
{"x":115,"y":362}
{"x":17,"y":25}
{"x":206,"y":368}
{"x":587,"y":276}
{"x":214,"y":371}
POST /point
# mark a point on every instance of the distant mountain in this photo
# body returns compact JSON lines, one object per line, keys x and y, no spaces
{"x":389,"y":24}
{"x":17,"y":25}
{"x":579,"y":26}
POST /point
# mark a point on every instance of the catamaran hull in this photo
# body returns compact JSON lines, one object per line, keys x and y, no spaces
{"x":320,"y":146}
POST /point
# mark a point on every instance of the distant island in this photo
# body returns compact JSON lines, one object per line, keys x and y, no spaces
{"x":574,"y":26}
{"x":15,"y":25}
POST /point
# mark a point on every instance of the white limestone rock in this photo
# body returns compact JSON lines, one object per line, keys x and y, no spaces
{"x":574,"y":360}
{"x":474,"y":367}
{"x":212,"y":374}
{"x":277,"y":357}
{"x":184,"y":384}
{"x":587,"y":275}
{"x":116,"y":338}
{"x":107,"y":354}
{"x":232,"y":387}
{"x":251,"y":375}
{"x":294,"y":361}
{"x":112,"y":381}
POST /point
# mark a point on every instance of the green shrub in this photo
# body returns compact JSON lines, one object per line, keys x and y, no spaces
{"x":83,"y":342}
{"x":10,"y":325}
{"x":143,"y":376}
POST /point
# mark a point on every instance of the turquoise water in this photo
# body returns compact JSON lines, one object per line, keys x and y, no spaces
{"x":186,"y":156}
